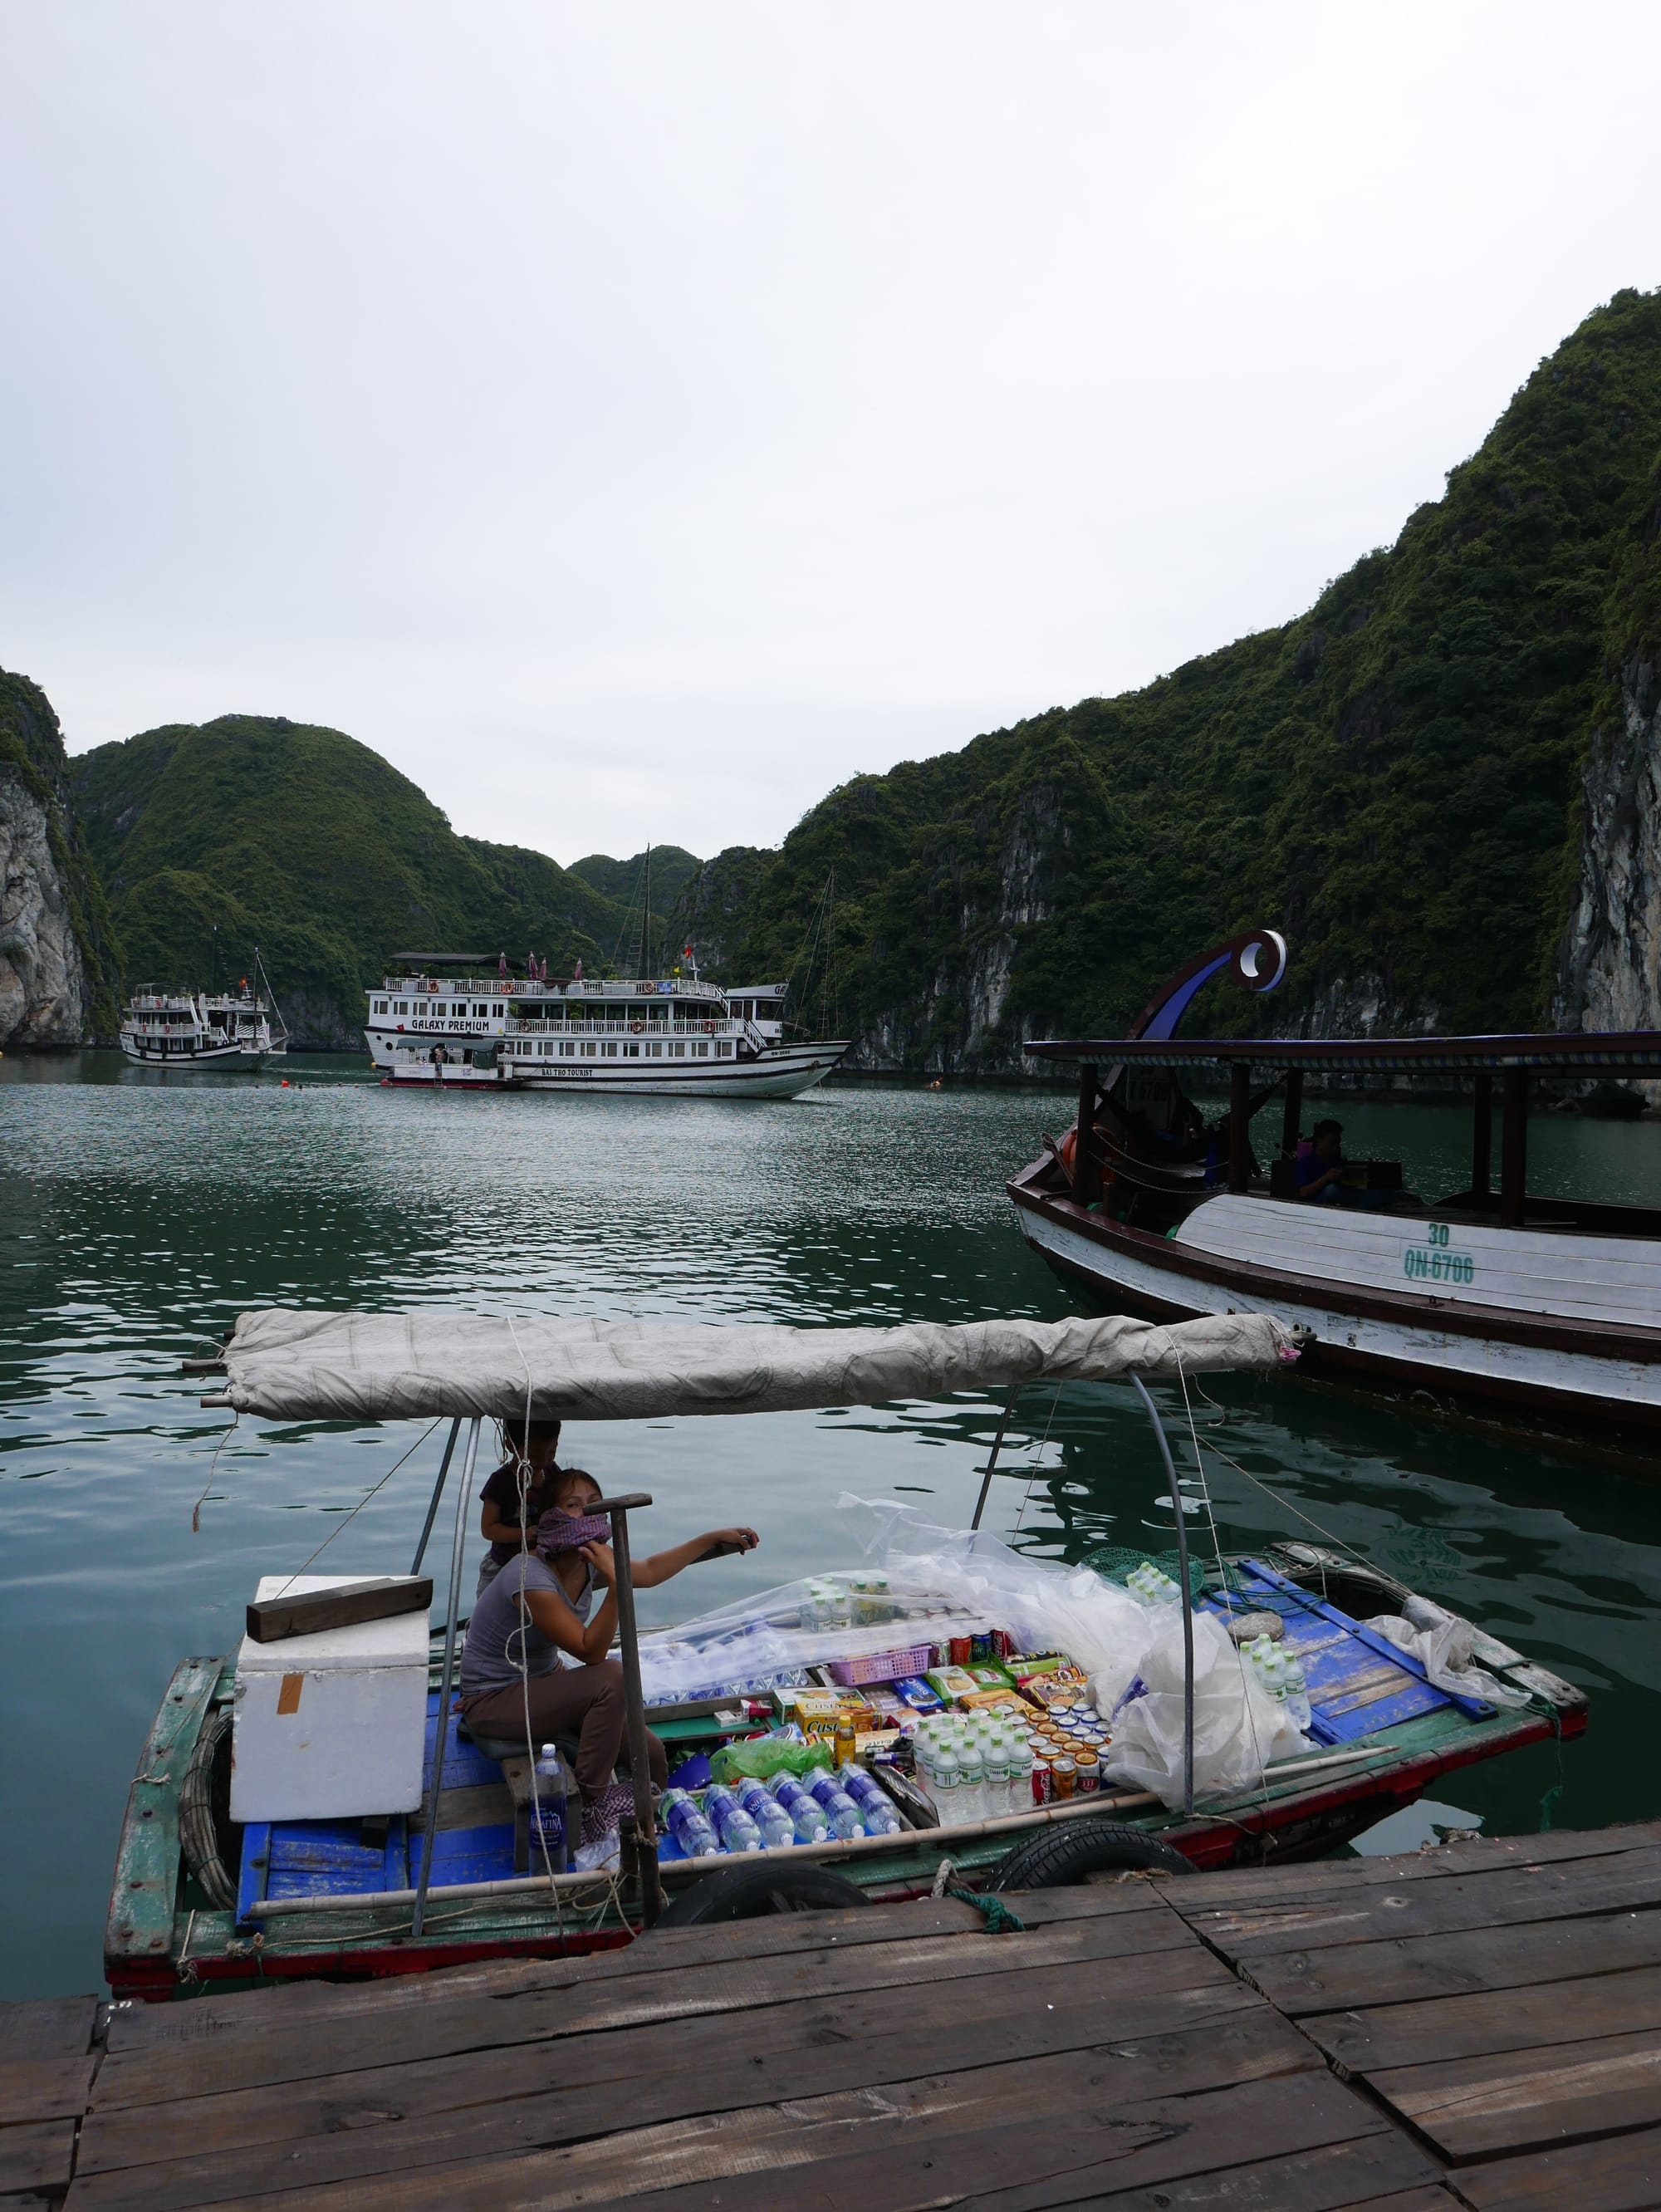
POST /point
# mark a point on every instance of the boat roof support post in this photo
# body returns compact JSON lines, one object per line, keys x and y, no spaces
{"x":438,"y":1492}
{"x":1292,"y":1119}
{"x":992,"y":1457}
{"x":628,"y":1642}
{"x":1482,"y":1136}
{"x":1087,"y":1173}
{"x":447,"y":1677}
{"x":1239,"y":1129}
{"x":1513,"y":1147}
{"x":1178,"y":1510}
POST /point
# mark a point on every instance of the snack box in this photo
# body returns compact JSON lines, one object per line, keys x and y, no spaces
{"x":951,"y":1683}
{"x":814,"y":1709}
{"x":921,"y":1696}
{"x":885,"y":1704}
{"x":999,"y":1701}
{"x":990,"y":1675}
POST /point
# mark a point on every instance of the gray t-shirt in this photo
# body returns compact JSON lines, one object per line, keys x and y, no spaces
{"x":502,"y":1642}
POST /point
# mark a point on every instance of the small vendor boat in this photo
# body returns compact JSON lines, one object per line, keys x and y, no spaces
{"x":374,"y":1839}
{"x":1496,"y":1299}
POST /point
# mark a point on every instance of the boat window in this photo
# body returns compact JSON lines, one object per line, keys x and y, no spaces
{"x":702,"y":1051}
{"x":656,"y":1051}
{"x":631,"y":1052}
{"x":726,"y":1052}
{"x":679,"y":1050}
{"x":611,"y":1052}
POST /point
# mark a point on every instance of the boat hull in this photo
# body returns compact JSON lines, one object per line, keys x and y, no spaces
{"x":1585,"y":1356}
{"x":231,"y":1056}
{"x":783,"y":1072}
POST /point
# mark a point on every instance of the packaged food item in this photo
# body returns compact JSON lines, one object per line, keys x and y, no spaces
{"x":816,"y":1708}
{"x":951,"y":1683}
{"x":989,"y":1675}
{"x":920,"y":1695}
{"x":885,"y":1704}
{"x":997,"y":1701}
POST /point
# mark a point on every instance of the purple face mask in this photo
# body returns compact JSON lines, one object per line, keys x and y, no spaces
{"x":559,"y":1531}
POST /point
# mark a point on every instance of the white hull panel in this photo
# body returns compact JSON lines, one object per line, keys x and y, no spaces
{"x":782,"y":1074}
{"x":1491,"y":1365}
{"x":221,"y":1056}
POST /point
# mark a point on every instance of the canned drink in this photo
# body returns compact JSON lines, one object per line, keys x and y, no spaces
{"x":1087,"y":1778}
{"x":962,"y":1650}
{"x":1064,"y":1778}
{"x":1003,"y":1643}
{"x":980,"y":1647}
{"x":1043,"y":1781}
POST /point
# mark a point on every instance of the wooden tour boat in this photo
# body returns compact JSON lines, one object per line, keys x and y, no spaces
{"x":429,"y":1875}
{"x":1485,"y":1297}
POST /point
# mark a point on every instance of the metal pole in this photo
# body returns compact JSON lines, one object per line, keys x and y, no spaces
{"x":438,"y":1492}
{"x":645,"y":1821}
{"x":1187,"y":1601}
{"x":1482,"y":1136}
{"x":1240,"y":1127}
{"x":1513,"y":1147}
{"x":992,"y":1457}
{"x":441,"y":1734}
{"x":1292,"y":1118}
{"x":1086,"y":1180}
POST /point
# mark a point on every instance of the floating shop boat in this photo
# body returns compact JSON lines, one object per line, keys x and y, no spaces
{"x":449,"y":1020}
{"x":377,"y":1839}
{"x":1502,"y":1297}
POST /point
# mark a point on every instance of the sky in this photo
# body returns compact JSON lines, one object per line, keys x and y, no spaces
{"x":634,"y":419}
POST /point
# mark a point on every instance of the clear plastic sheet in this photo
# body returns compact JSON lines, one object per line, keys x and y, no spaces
{"x":1440,"y":1642}
{"x":1239,"y":1729}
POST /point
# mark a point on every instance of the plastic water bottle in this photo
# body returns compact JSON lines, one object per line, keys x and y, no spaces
{"x":738,"y":1831}
{"x":840,"y":1812}
{"x":687,"y":1824}
{"x":870,"y":1799}
{"x":973,"y":1761}
{"x":547,"y":1814}
{"x":948,"y":1785}
{"x":1000,"y":1766}
{"x":773,"y":1822}
{"x":1297,"y":1692}
{"x":807,"y":1817}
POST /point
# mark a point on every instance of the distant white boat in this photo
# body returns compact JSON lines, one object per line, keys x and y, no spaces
{"x":445,"y":1022}
{"x":201,"y":1028}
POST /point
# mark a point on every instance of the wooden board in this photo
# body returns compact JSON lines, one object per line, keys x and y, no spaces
{"x":46,"y":2027}
{"x":1621,"y":2174}
{"x":1488,"y":2020}
{"x":1532,"y":2099}
{"x":313,"y":1613}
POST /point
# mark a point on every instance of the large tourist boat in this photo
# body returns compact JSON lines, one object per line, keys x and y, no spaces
{"x":1473,"y":1297}
{"x":446,"y":1020}
{"x":225,"y":1030}
{"x":312,"y":1804}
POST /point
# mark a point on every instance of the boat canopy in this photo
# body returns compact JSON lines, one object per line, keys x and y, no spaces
{"x":1571,"y":1053}
{"x":288,"y":1366}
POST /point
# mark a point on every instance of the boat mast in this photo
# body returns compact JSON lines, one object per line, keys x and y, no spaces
{"x":645,"y":920}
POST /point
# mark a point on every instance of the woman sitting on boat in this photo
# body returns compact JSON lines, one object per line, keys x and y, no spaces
{"x":538,"y":1640}
{"x":528,"y":1468}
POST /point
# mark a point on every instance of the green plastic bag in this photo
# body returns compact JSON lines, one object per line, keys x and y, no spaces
{"x":759,"y":1758}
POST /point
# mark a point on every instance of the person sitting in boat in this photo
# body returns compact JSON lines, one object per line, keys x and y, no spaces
{"x":1318,"y":1164}
{"x":539,"y":1636}
{"x":528,"y":1467}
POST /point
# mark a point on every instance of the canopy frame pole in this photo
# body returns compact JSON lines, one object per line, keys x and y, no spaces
{"x":1513,"y":1147}
{"x":1087,"y":1179}
{"x":446,"y":1680}
{"x":1239,"y":1128}
{"x":438,"y":1492}
{"x":1482,"y":1136}
{"x":629,"y":1640}
{"x":1187,"y":1599}
{"x":1292,"y":1119}
{"x":992,"y":1457}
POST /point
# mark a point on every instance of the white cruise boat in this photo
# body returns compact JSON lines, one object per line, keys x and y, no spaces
{"x":447,"y":1022}
{"x":202,"y":1028}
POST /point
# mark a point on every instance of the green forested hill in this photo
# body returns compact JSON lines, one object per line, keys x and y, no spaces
{"x":1393,"y":779}
{"x":32,"y":754}
{"x":672,"y":870}
{"x":305,"y":843}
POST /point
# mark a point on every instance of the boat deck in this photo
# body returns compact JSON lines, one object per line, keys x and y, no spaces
{"x":1477,"y":2025}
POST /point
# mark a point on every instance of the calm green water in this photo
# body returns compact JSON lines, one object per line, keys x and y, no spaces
{"x":138,"y":1213}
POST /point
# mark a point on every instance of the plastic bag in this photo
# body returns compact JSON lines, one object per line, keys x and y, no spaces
{"x":1239,"y":1729}
{"x":1440,"y":1642}
{"x":759,"y":1758}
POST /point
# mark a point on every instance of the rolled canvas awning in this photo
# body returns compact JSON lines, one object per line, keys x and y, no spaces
{"x":289,"y":1366}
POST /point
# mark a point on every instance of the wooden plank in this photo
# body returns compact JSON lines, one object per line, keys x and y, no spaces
{"x":1388,"y":1912}
{"x":313,"y":1613}
{"x":842,"y":2150}
{"x":46,"y":2027}
{"x":1486,"y":2021}
{"x":1474,"y":2108}
{"x":1478,"y":1854}
{"x":138,"y":2082}
{"x":37,"y":2155}
{"x":1621,"y":2174}
{"x":44,"y":2089}
{"x":1373,"y":2172}
{"x":1303,"y":1983}
{"x":500,"y":2102}
{"x":140,"y":1915}
{"x":280,"y":2005}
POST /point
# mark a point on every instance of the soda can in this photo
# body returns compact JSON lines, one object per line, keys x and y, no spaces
{"x":1064,"y":1778}
{"x":962,"y":1648}
{"x":980,"y":1647}
{"x":1043,"y":1789}
{"x":1087,"y":1778}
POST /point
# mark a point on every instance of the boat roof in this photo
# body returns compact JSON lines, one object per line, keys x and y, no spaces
{"x":1570,"y":1053}
{"x":284,"y":1364}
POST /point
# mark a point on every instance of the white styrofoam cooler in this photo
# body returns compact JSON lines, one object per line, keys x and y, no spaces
{"x":332,"y":1725}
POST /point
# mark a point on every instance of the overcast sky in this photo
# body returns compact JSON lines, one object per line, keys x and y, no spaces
{"x":633,"y":420}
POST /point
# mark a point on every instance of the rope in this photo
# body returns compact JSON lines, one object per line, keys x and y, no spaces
{"x":213,"y":1468}
{"x":347,"y":1519}
{"x":1000,"y":1921}
{"x":1032,"y":1475}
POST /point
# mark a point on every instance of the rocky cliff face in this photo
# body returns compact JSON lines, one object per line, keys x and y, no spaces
{"x":56,"y":966}
{"x":1608,"y":969}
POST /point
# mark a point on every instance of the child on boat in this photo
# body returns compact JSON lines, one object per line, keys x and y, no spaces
{"x":529,"y":1467}
{"x":538,"y":1639}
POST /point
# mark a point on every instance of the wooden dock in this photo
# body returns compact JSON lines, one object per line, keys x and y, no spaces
{"x":1480,"y":2025}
